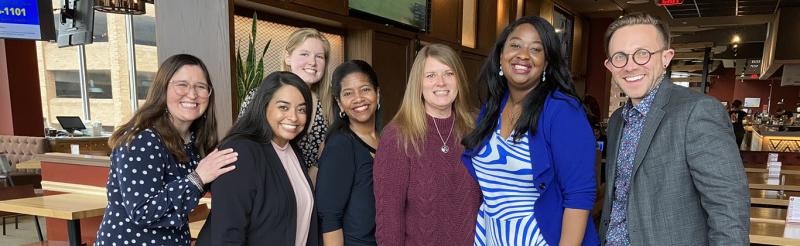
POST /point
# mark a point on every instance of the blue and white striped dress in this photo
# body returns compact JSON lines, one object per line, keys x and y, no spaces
{"x":505,"y":174}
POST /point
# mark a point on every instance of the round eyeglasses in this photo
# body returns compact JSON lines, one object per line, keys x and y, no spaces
{"x":640,"y":57}
{"x":182,"y":88}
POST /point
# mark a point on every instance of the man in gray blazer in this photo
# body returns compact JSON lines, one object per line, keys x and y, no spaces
{"x":674,"y":175}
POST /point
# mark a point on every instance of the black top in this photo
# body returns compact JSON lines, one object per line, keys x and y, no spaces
{"x":254,"y":204}
{"x":737,"y":115}
{"x":344,"y":196}
{"x":149,"y":195}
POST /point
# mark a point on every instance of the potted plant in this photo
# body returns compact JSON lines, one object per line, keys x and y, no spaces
{"x":250,"y":70}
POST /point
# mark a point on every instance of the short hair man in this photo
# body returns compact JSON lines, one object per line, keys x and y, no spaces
{"x":674,"y":172}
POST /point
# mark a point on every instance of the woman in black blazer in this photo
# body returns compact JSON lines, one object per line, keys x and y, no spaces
{"x":268,"y":198}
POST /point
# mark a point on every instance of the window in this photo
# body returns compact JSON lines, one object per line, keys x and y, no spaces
{"x":68,"y":84}
{"x":107,"y":70}
{"x":143,"y":82}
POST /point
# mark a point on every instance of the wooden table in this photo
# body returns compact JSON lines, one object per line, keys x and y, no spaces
{"x":194,"y":228}
{"x":30,"y":164}
{"x":770,"y":233}
{"x":70,"y":206}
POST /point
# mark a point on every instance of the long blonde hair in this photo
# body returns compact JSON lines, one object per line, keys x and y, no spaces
{"x":411,"y":119}
{"x":322,"y":88}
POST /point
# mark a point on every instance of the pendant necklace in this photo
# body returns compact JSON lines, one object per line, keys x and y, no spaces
{"x":444,"y":148}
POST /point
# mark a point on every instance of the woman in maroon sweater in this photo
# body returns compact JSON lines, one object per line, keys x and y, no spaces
{"x":423,"y":194}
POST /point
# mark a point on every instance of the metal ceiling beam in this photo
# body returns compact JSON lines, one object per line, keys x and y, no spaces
{"x":723,"y":21}
{"x":698,"y":45}
{"x":697,"y":8}
{"x":687,"y":68}
{"x":689,"y":55}
{"x":688,"y":79}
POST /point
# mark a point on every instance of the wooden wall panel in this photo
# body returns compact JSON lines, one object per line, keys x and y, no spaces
{"x":472,"y":64}
{"x":359,"y":45}
{"x":487,"y":30}
{"x":391,"y":58}
{"x":446,"y":20}
{"x":335,"y":6}
{"x":209,"y":38}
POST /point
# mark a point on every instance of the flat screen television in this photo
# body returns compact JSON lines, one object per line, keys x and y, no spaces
{"x":411,"y":14}
{"x":27,"y":19}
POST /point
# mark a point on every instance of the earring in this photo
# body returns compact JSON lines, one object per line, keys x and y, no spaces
{"x":501,"y":71}
{"x":341,"y":114}
{"x":544,"y":75}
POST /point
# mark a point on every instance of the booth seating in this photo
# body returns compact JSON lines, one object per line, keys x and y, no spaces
{"x":17,"y":149}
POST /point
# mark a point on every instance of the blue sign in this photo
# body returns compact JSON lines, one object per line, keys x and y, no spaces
{"x":19,"y":19}
{"x":19,"y":12}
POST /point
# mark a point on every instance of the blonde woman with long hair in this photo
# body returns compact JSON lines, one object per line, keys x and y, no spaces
{"x":423,"y":194}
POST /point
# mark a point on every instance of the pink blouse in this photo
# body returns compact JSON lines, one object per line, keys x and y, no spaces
{"x":302,"y":190}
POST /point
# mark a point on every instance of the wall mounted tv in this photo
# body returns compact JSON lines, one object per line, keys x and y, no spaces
{"x":411,"y":14}
{"x":29,"y":19}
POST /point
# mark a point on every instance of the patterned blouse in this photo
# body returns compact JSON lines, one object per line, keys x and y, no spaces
{"x":309,"y":143}
{"x":149,"y":195}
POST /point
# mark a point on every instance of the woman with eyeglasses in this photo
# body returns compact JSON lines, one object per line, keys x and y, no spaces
{"x":162,"y":158}
{"x":532,"y":151}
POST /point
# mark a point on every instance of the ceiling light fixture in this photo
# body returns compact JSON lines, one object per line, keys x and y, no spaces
{"x":736,"y":39}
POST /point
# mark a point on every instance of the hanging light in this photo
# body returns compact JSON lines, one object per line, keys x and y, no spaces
{"x":128,"y":7}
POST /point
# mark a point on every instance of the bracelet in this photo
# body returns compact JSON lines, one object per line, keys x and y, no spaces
{"x":195,"y":179}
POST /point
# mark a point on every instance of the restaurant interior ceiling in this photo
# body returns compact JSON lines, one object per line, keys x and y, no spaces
{"x":702,"y":21}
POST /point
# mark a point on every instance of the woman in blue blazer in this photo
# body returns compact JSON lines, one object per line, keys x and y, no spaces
{"x":533,"y":150}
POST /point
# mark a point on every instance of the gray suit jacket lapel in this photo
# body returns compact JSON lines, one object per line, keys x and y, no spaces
{"x":653,"y":119}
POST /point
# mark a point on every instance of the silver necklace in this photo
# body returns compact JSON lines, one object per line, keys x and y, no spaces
{"x":444,"y":148}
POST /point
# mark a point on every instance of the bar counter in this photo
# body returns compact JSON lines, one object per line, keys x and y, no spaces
{"x":78,"y":174}
{"x":770,"y":139}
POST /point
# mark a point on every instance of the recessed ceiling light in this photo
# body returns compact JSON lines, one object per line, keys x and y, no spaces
{"x":637,"y":1}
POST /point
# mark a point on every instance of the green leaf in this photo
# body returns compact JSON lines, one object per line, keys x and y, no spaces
{"x":250,"y":68}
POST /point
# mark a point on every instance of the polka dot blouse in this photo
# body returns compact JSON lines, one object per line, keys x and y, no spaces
{"x":149,"y":194}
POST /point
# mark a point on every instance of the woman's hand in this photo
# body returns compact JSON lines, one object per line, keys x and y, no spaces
{"x":216,"y":164}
